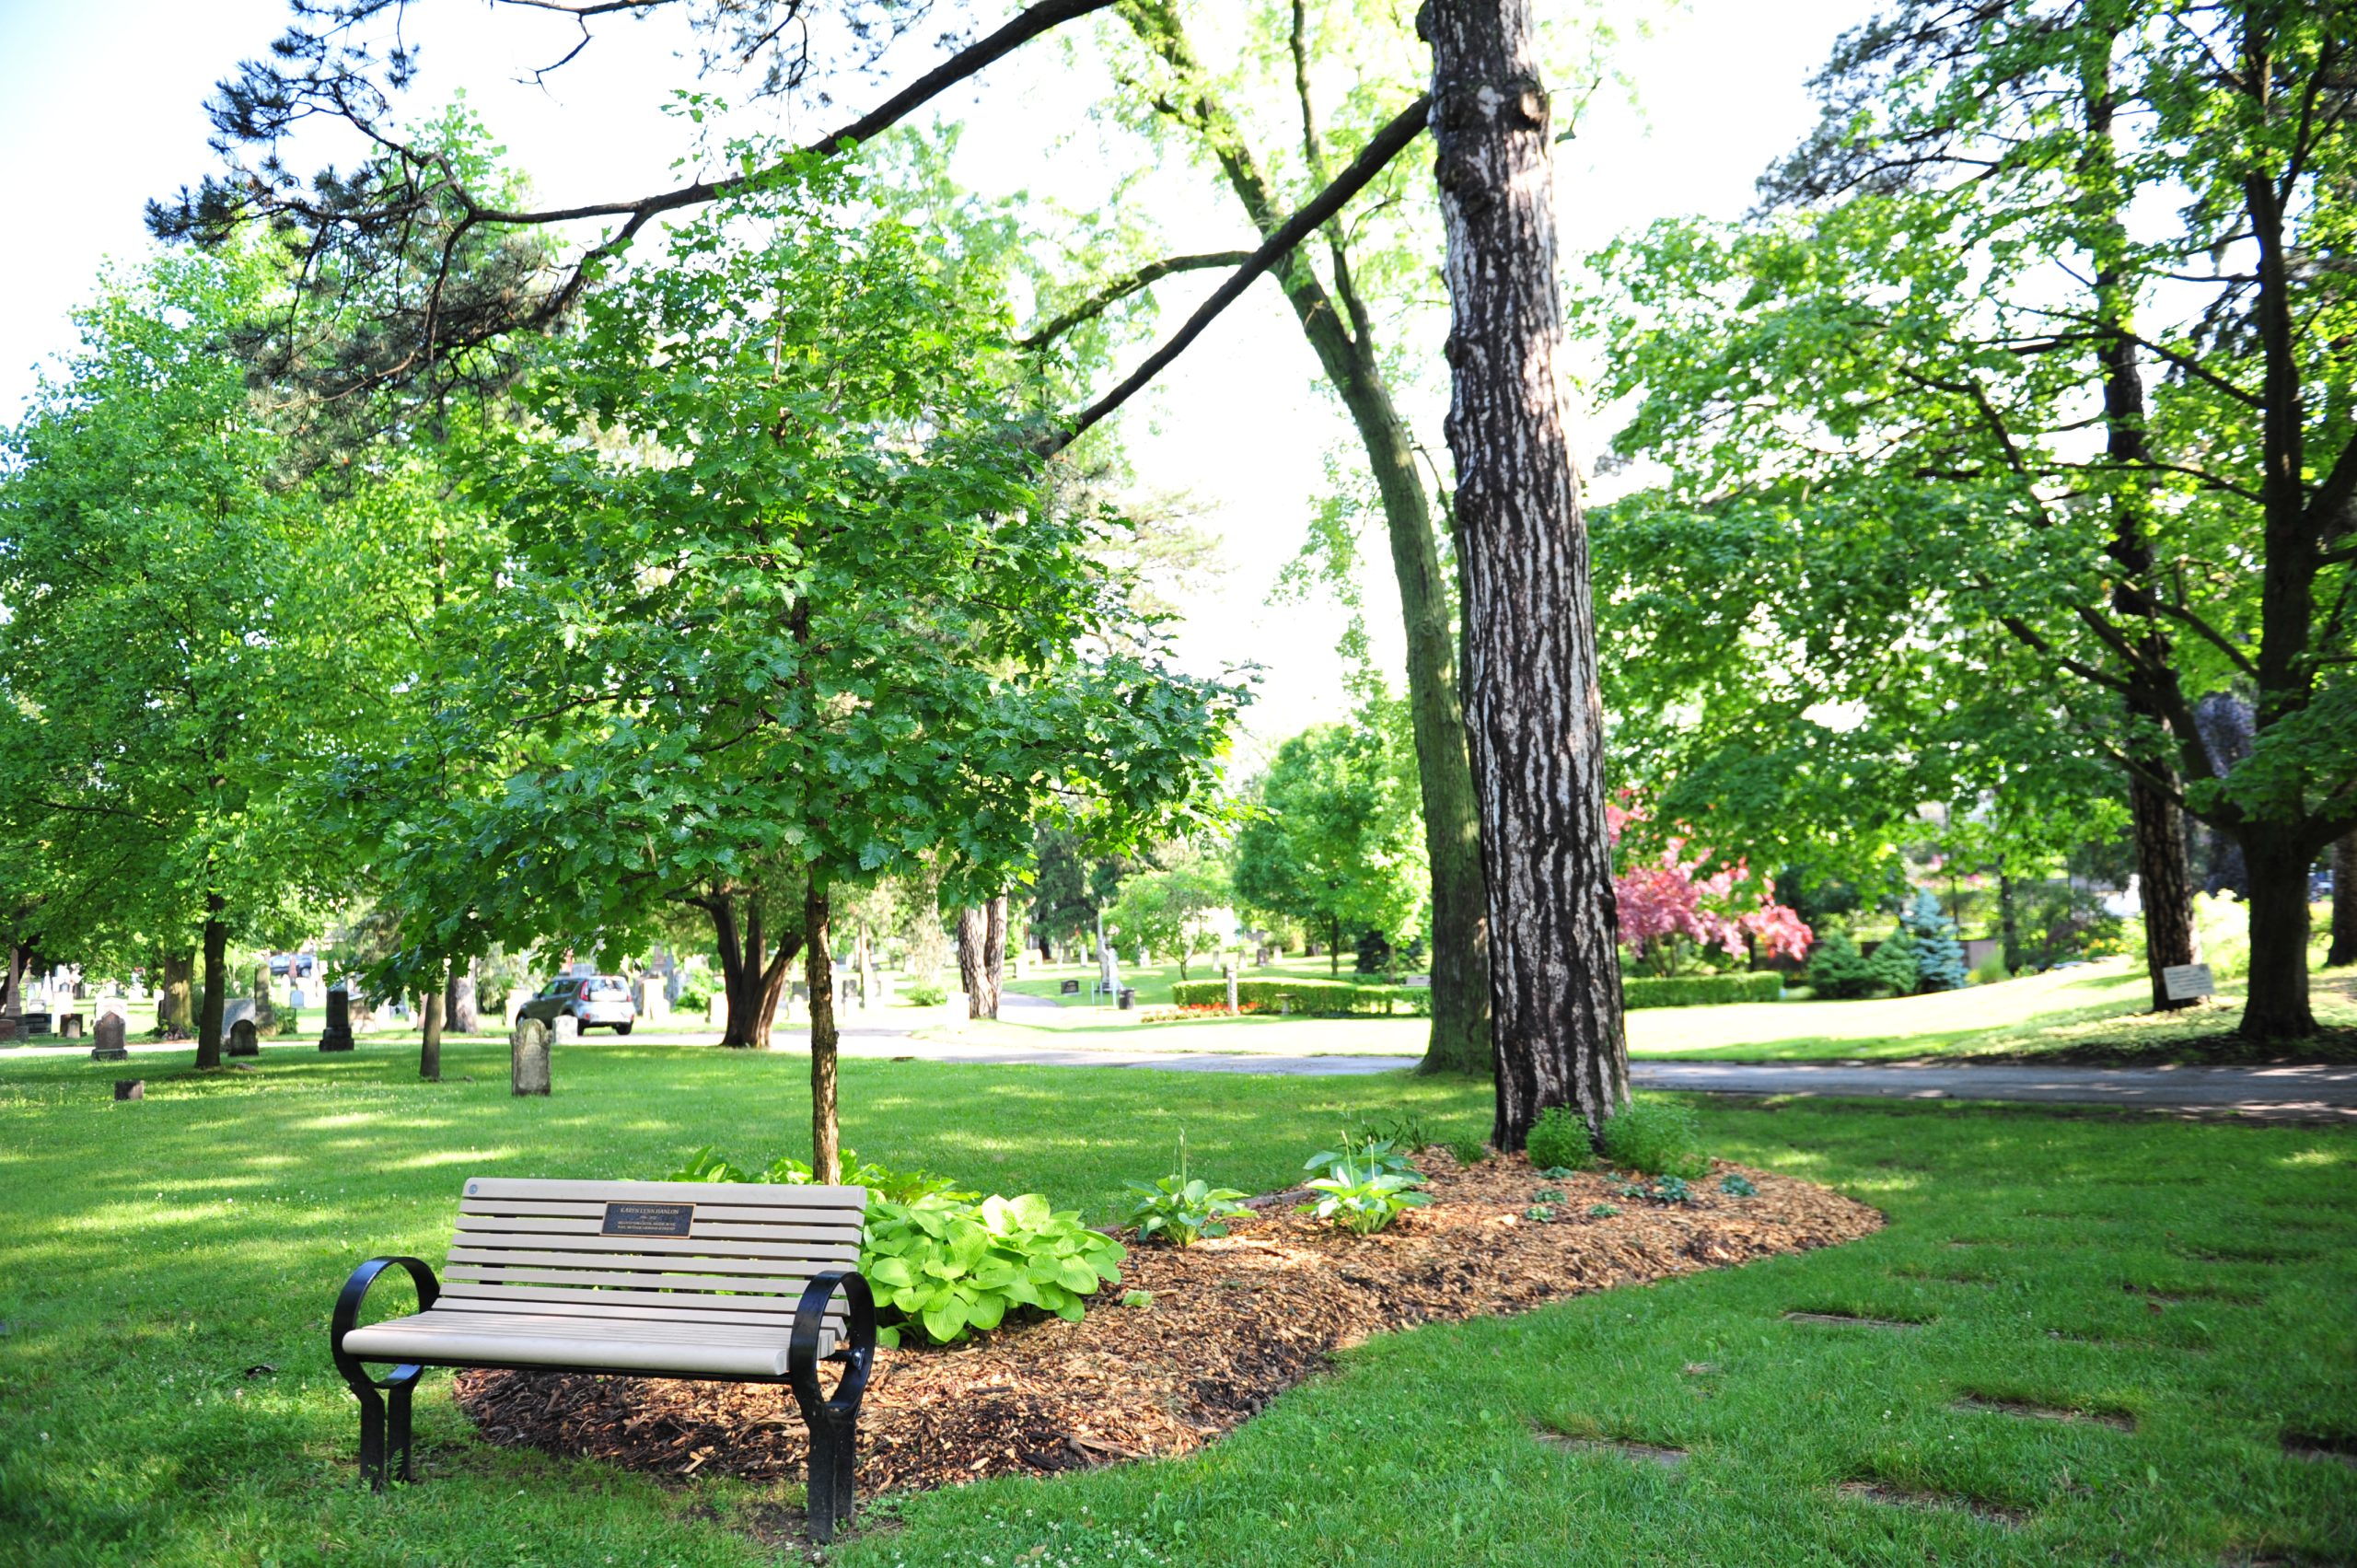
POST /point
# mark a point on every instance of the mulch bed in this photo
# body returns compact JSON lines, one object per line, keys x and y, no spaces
{"x":1234,"y":1322}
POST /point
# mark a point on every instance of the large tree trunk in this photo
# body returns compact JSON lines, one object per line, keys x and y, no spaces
{"x":217,"y":981}
{"x":2277,"y":1010}
{"x":429,"y":1050}
{"x":460,"y":1013}
{"x":1340,"y":331}
{"x":994,"y":955}
{"x":826,"y":1138}
{"x":173,"y":1007}
{"x":1533,"y":710}
{"x":2344,"y":903}
{"x":2165,"y":880}
{"x":973,"y":935}
{"x":751,"y":985}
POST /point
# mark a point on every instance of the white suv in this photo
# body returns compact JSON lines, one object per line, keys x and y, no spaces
{"x":598,"y":1001}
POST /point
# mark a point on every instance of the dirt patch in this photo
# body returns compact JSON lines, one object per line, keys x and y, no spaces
{"x":2028,"y":1411}
{"x":1233,"y":1322}
{"x":1847,"y":1320}
{"x":1643,"y":1453}
{"x":2317,"y":1448}
{"x":1907,"y":1497}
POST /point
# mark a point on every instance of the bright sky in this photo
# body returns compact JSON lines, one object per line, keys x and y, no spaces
{"x":100,"y":109}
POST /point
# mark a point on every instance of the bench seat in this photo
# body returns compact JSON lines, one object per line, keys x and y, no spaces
{"x":749,"y":1283}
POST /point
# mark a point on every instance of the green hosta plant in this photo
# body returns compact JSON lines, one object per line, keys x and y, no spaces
{"x":1361,"y":1194}
{"x":1180,"y":1211}
{"x":881,"y":1182}
{"x":940,"y":1266}
{"x":1383,"y":1155}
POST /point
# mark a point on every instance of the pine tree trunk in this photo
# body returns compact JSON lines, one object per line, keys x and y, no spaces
{"x":994,"y":955}
{"x":2165,"y":879}
{"x":464,"y":1012}
{"x":826,"y":1142}
{"x":174,"y":1008}
{"x":2277,"y":1010}
{"x":2344,"y":903}
{"x":217,"y":981}
{"x":1533,"y":710}
{"x":429,"y":1051}
{"x":973,"y":935}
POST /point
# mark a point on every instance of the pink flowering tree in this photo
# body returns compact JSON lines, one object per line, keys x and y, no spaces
{"x":1668,"y":908}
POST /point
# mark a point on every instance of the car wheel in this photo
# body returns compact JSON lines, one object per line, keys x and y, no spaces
{"x":622,"y":1029}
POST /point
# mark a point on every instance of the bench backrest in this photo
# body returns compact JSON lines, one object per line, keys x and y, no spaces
{"x":652,"y":1249}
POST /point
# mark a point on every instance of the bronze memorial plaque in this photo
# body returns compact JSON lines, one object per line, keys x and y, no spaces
{"x":648,"y":1219}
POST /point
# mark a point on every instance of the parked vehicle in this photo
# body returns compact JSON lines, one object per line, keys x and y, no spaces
{"x":598,"y":1000}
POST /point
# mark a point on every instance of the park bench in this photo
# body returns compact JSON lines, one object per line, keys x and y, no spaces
{"x":650,"y":1279}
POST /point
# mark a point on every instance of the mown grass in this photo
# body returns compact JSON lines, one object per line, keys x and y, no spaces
{"x":168,"y":1267}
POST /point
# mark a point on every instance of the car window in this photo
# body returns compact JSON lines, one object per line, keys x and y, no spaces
{"x":606,"y":988}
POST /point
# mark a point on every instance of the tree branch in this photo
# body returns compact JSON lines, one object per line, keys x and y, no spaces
{"x":1120,"y":289}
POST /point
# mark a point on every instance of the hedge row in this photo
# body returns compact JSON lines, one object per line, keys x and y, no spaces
{"x":1700,"y":989}
{"x":1307,"y":998}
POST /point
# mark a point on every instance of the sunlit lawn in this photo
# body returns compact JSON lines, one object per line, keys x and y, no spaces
{"x":168,"y":1266}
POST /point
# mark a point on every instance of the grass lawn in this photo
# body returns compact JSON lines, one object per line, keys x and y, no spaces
{"x":167,"y":1272}
{"x":2093,"y":1012}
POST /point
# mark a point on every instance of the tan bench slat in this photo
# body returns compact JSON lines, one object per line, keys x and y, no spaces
{"x":527,"y":1339}
{"x":705,"y":1213}
{"x":770,"y":1285}
{"x":745,"y":1194}
{"x":593,"y":1225}
{"x":752,"y":1302}
{"x":593,"y":1245}
{"x":653,"y":1263}
{"x":595,"y":1306}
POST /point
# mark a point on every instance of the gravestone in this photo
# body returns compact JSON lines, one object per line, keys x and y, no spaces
{"x":70,"y":1027}
{"x":108,"y":1045}
{"x":35,"y":1023}
{"x":1262,"y":956}
{"x":130,"y":1089}
{"x":244,"y":1038}
{"x":337,"y":1035}
{"x":568,"y":1028}
{"x":715,"y":1011}
{"x":1127,"y":1000}
{"x":1068,"y":988}
{"x":527,"y":1052}
{"x":237,"y":1009}
{"x":1230,"y":972}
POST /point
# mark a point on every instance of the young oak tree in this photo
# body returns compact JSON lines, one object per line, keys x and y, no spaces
{"x":783,"y":602}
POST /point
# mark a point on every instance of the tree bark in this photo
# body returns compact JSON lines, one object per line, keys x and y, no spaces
{"x":174,"y":1004}
{"x":973,"y":935}
{"x":429,"y":1050}
{"x":217,"y":981}
{"x":2009,"y":927}
{"x":2344,"y":903}
{"x":826,"y":1141}
{"x":994,"y":955}
{"x":1340,"y":331}
{"x":1533,"y":709}
{"x":465,"y":1012}
{"x":2277,"y":1009}
{"x":751,"y":985}
{"x":2165,"y":879}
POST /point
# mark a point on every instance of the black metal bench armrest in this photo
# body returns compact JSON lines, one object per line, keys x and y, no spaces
{"x":355,"y":1291}
{"x":857,"y":1353}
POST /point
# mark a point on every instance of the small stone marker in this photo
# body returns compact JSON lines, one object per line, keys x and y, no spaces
{"x":568,"y":1028}
{"x":130,"y":1089}
{"x":1127,"y":999}
{"x":109,"y":1046}
{"x":244,"y":1038}
{"x":337,"y":1035}
{"x":70,"y":1027}
{"x":528,"y":1051}
{"x":2184,"y":982}
{"x":1068,"y":988}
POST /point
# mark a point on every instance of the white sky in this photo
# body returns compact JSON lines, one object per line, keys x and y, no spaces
{"x":100,"y":109}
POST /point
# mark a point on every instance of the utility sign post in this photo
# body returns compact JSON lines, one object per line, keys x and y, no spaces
{"x":2185,"y":982}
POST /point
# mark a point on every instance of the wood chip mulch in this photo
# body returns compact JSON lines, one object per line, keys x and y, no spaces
{"x":1234,"y":1322}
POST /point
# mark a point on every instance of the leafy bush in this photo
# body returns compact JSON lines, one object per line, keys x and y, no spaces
{"x":1179,"y":1211}
{"x":1558,"y":1140}
{"x":926,"y":994}
{"x":881,"y":1182}
{"x":1373,"y":954}
{"x":1469,"y":1151}
{"x":941,"y":1266}
{"x":1701,"y":990}
{"x":695,"y":994}
{"x":1892,"y":964}
{"x":1385,"y":1154}
{"x":1738,"y":1187}
{"x":1307,"y":998}
{"x":1838,"y":971}
{"x":1992,"y":969}
{"x":1672,"y":1190}
{"x":1655,"y":1137}
{"x":1364,"y":1192}
{"x":1939,"y":956}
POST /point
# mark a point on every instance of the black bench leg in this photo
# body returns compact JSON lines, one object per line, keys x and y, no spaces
{"x":372,"y":1435}
{"x":834,"y":1447}
{"x":398,"y":1393}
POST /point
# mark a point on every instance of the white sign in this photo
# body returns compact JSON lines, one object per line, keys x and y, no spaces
{"x":2183,"y":983}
